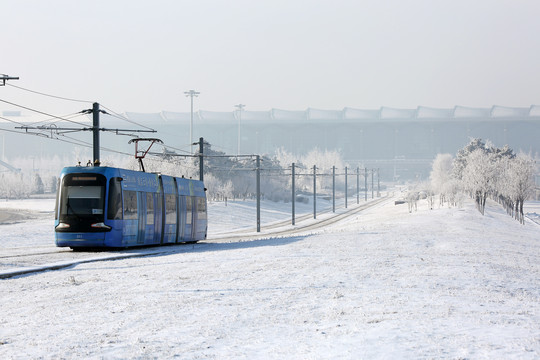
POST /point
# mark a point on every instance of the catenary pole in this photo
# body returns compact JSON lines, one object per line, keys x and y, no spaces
{"x":314,"y":191}
{"x":372,"y":186}
{"x":201,"y":164}
{"x":346,"y":187}
{"x":95,"y":130}
{"x":293,"y":195}
{"x":378,"y":182}
{"x":365,"y":183}
{"x":358,"y":185}
{"x":333,"y":189}
{"x":258,"y":193}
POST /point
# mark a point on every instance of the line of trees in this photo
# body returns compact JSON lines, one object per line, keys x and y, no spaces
{"x":484,"y":171}
{"x":232,"y":177}
{"x":226,"y":176}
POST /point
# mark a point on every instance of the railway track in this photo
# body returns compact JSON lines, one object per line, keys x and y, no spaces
{"x":21,"y":262}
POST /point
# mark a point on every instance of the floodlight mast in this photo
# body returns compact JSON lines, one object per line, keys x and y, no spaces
{"x":240,"y":107}
{"x":191,"y":93}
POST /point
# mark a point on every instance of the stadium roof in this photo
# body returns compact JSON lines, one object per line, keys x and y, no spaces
{"x":312,"y":115}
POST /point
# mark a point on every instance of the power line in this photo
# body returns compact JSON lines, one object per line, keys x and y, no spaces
{"x":87,"y":144}
{"x":13,"y":121}
{"x":122,"y":117}
{"x":20,"y":132}
{"x":53,"y":96}
{"x":112,"y":113}
{"x":67,"y":117}
{"x":38,"y":111}
{"x":65,"y":138}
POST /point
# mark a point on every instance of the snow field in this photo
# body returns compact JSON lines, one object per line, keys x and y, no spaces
{"x":446,"y":283}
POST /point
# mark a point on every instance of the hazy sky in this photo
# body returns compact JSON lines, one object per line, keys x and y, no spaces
{"x":142,"y":55}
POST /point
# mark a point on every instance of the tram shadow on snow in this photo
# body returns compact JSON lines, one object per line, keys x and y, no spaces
{"x":201,"y":246}
{"x":245,"y":244}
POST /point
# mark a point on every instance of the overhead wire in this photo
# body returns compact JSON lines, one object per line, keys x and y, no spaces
{"x":49,"y":95}
{"x":111,"y":112}
{"x":164,"y":145}
{"x":61,"y":136}
{"x":17,"y":132}
{"x":39,"y":112}
{"x":68,"y":118}
{"x":88,"y":144}
{"x":122,"y":117}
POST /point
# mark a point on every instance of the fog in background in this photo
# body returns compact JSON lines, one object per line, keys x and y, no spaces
{"x":141,"y":56}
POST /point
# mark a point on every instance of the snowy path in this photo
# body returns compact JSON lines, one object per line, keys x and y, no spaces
{"x":446,"y":283}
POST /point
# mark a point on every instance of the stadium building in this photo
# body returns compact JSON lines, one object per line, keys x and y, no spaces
{"x":402,"y":143}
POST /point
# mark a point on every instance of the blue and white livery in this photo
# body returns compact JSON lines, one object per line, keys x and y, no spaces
{"x":119,"y":208}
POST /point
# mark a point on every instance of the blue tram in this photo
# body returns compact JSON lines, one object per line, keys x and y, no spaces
{"x":118,"y":208}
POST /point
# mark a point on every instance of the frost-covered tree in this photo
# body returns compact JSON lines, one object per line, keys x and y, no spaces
{"x":485,"y":170}
{"x":53,"y":184}
{"x":441,"y":175}
{"x":522,"y":182}
{"x":479,"y":176}
{"x":13,"y":186}
{"x":460,"y":162}
{"x":323,"y":160}
{"x":412,"y":200}
{"x":37,"y":184}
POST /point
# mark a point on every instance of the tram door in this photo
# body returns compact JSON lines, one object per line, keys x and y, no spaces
{"x":188,"y":236}
{"x":141,"y":200}
{"x":158,"y":218}
{"x":182,"y":218}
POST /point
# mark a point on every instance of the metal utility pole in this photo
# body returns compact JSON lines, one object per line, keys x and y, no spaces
{"x":293,"y":194}
{"x":95,"y":131}
{"x":258,"y":193}
{"x":365,"y":183}
{"x":201,"y":164}
{"x":4,"y":77}
{"x":372,"y":187}
{"x":333,"y":189}
{"x":378,"y":183}
{"x":314,"y":191}
{"x":240,"y":107}
{"x":346,"y":187}
{"x":192,"y":94}
{"x":357,"y":185}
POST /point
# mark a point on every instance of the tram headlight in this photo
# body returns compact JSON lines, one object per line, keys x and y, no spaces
{"x":101,"y":225}
{"x":62,"y":226}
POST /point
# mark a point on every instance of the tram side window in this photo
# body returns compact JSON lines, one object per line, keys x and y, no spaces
{"x":114,"y":212}
{"x":201,"y":208}
{"x":170,"y":209}
{"x":149,"y":208}
{"x":57,"y":198}
{"x":130,"y":205}
{"x":189,"y":209}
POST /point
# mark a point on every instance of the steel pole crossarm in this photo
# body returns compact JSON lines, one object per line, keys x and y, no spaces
{"x":126,"y":130}
{"x":4,"y":77}
{"x":43,"y":127}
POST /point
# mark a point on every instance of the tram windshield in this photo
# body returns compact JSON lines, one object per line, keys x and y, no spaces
{"x":83,"y":195}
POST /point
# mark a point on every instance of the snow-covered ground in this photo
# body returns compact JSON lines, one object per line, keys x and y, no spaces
{"x":446,"y":283}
